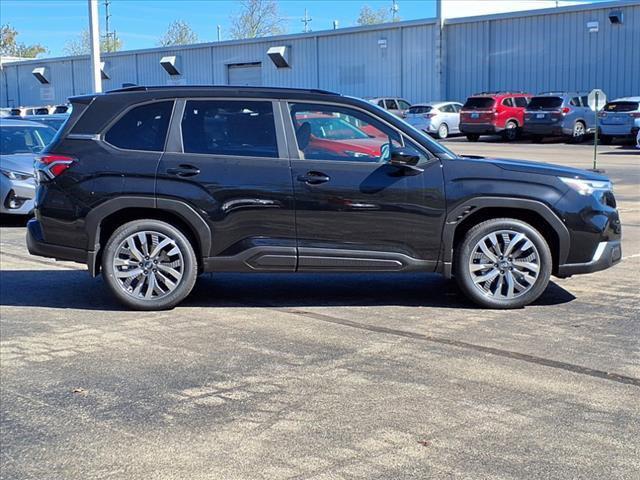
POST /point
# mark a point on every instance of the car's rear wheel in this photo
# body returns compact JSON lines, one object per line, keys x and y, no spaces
{"x":149,"y":265}
{"x":473,"y":137}
{"x":503,"y":263}
{"x":579,"y":132}
{"x":443,"y":131}
{"x":510,"y":132}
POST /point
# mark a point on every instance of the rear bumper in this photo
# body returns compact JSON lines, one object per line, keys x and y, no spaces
{"x":543,"y":129}
{"x":619,"y":130}
{"x":37,"y":246}
{"x":479,"y":128}
{"x":606,"y":255}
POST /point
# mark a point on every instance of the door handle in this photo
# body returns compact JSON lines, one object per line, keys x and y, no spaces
{"x":314,"y":178}
{"x":184,"y":171}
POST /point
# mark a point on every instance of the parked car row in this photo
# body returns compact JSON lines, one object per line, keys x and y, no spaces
{"x":41,"y":110}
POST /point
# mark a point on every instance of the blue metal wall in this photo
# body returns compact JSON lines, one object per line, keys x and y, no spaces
{"x":532,"y":51}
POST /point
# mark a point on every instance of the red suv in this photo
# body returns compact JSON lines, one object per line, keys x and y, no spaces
{"x":490,"y":113}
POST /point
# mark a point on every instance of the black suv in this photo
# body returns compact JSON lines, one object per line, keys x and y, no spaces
{"x":153,"y":185}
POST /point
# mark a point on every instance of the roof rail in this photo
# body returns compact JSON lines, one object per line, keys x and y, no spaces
{"x":500,"y":92}
{"x":142,"y":88}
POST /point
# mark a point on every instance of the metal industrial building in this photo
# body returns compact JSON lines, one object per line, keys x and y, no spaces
{"x":569,"y":48}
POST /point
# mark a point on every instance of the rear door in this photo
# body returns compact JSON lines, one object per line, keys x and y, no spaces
{"x":227,"y":158}
{"x":355,"y":211}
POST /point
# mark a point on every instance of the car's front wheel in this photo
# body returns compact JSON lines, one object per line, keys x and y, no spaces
{"x":503,"y":263}
{"x":473,"y":137}
{"x":149,"y":265}
{"x":510,"y":132}
{"x":579,"y":132}
{"x":443,"y":131}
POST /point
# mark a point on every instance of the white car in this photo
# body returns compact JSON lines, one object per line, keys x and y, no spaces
{"x":436,"y":118}
{"x":397,"y":106}
{"x":638,"y":140}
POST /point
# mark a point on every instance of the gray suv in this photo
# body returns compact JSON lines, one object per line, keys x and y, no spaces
{"x":556,"y":114}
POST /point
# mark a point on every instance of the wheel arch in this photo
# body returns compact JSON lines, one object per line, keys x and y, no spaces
{"x":462,"y":218}
{"x":102,"y":221}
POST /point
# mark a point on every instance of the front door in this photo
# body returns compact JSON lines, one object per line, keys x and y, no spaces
{"x":227,"y":158}
{"x":355,"y":211}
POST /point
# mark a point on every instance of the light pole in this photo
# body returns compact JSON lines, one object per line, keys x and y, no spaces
{"x":94,"y":34}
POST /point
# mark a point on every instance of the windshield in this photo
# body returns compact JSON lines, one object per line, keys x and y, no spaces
{"x":333,"y":128}
{"x":21,"y":139}
{"x":621,"y":106}
{"x":420,"y":109}
{"x":544,"y":103}
{"x":476,"y":103}
{"x":54,"y":123}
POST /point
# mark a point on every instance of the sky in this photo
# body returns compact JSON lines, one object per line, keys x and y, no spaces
{"x":140,"y":23}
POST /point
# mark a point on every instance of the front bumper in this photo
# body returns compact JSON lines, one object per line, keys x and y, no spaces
{"x":606,"y":255}
{"x":37,"y":245}
{"x":17,"y":196}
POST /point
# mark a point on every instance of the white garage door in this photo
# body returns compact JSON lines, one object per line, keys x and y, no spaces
{"x":246,"y":74}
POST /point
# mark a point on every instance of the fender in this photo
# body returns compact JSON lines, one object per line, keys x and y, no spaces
{"x":475,"y":204}
{"x":179,"y":208}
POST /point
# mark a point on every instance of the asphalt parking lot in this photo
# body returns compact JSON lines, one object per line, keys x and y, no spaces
{"x":319,"y":377}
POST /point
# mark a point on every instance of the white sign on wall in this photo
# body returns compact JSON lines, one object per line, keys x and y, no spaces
{"x":47,"y":93}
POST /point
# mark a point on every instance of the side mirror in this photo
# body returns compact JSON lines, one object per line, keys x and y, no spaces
{"x":403,"y":157}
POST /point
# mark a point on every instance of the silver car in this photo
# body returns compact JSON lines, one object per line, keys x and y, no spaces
{"x":20,"y":142}
{"x":620,"y":118}
{"x":397,"y":106}
{"x":436,"y":118}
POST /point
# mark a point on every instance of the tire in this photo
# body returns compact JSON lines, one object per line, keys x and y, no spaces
{"x":507,"y":285}
{"x":579,"y":132}
{"x":473,"y":137}
{"x":169,"y":280}
{"x":537,"y":138}
{"x":443,"y":131}
{"x":605,"y":139}
{"x":510,"y":132}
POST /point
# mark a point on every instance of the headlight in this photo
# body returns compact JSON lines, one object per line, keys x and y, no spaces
{"x":15,"y":175}
{"x":587,"y":187}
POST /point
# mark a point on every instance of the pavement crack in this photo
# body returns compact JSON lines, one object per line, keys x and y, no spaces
{"x":569,"y":367}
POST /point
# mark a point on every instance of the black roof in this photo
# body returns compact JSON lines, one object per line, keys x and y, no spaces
{"x":221,"y":88}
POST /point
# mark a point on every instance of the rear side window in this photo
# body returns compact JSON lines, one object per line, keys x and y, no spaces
{"x":545,"y":103}
{"x":391,"y":104}
{"x":229,"y":127}
{"x":476,"y":103}
{"x":508,"y":102}
{"x":521,"y":102}
{"x":621,"y":106}
{"x":575,"y":102}
{"x":142,"y":128}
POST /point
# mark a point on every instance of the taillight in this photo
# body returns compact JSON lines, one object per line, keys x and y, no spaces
{"x":635,"y":114}
{"x":429,"y":115}
{"x":565,"y":110}
{"x":52,"y":164}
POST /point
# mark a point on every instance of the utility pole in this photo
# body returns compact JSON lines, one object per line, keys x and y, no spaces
{"x":394,"y":10}
{"x":94,"y":34}
{"x":109,"y":36}
{"x":306,"y":20}
{"x":219,"y":33}
{"x":335,"y":24}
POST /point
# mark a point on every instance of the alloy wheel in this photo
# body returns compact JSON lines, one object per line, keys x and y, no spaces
{"x":504,"y":264}
{"x":148,"y":265}
{"x":578,"y":130}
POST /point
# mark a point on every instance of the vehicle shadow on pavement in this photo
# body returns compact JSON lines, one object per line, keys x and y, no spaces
{"x":76,"y":290}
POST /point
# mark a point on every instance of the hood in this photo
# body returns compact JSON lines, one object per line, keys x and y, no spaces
{"x":18,"y":162}
{"x":541,"y":168}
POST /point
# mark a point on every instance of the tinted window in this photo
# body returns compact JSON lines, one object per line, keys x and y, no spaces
{"x":521,"y":101}
{"x":227,"y":127}
{"x":420,"y":109}
{"x":447,"y":108}
{"x":403,"y":104}
{"x":24,"y":139}
{"x":575,"y":102}
{"x":585,"y":101}
{"x":381,"y":103}
{"x":507,"y":102}
{"x":326,"y":132}
{"x":391,"y":104}
{"x":621,"y":106}
{"x":545,"y":103}
{"x":142,"y":128}
{"x":456,"y":107}
{"x":476,"y":103}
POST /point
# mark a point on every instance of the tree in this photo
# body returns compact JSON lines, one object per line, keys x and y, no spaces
{"x":257,"y":18}
{"x":82,"y":44}
{"x":10,"y":47}
{"x":179,"y":32}
{"x":369,"y":16}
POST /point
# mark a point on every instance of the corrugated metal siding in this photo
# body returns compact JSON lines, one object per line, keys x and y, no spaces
{"x":545,"y":52}
{"x":532,"y":51}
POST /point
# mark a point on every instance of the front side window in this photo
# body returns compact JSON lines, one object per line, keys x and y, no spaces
{"x":391,"y":104}
{"x":142,"y":128}
{"x":229,"y":127}
{"x":327,"y":132}
{"x":508,"y":102}
{"x":404,"y":105}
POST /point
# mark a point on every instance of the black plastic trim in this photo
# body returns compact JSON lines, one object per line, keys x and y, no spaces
{"x":344,"y":260}
{"x":255,"y":259}
{"x":457,"y":215}
{"x":610,"y":255}
{"x":37,"y":246}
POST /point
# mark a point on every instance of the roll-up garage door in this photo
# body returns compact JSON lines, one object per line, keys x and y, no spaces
{"x":246,"y":74}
